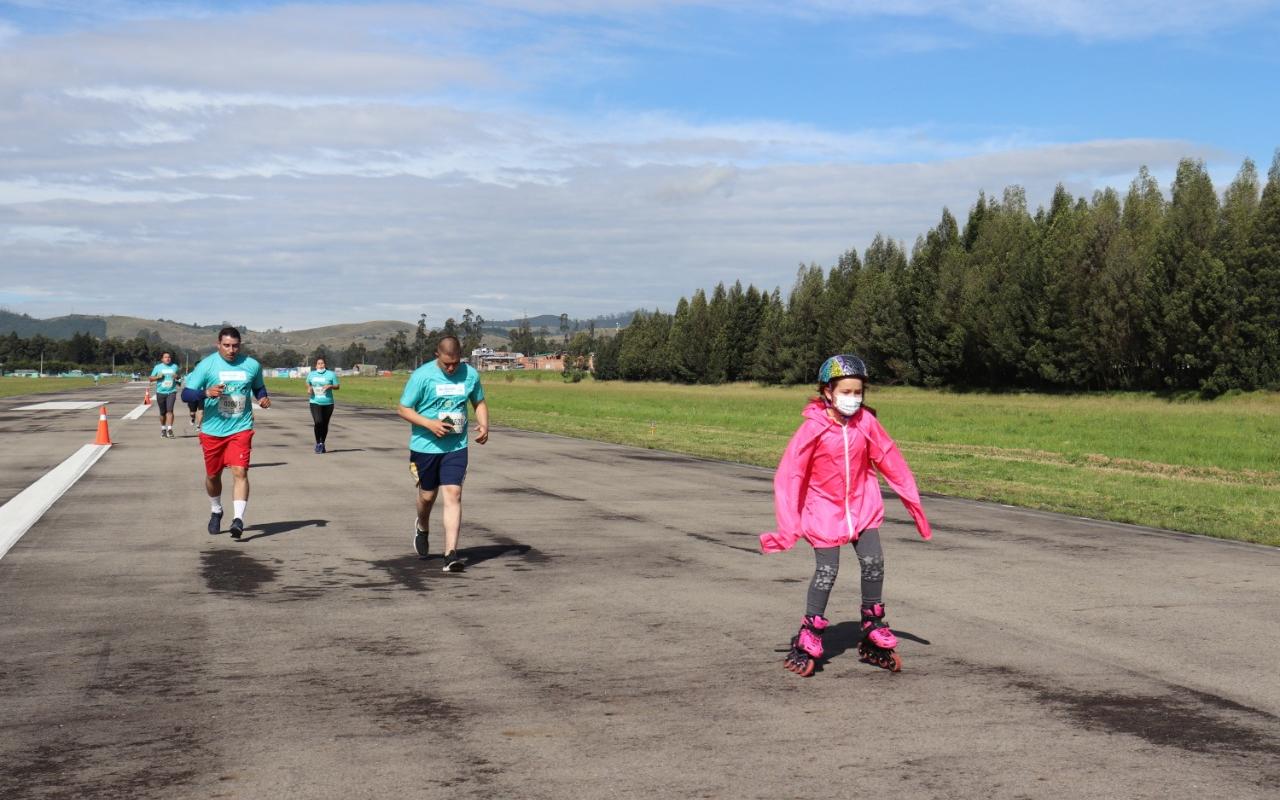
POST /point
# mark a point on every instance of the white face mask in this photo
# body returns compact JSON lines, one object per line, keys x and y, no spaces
{"x":847,"y":404}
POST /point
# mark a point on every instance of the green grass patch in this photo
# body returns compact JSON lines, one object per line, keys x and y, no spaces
{"x":13,"y":387}
{"x":1210,"y":467}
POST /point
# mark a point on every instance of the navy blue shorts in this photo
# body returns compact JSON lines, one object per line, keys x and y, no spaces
{"x":433,"y":470}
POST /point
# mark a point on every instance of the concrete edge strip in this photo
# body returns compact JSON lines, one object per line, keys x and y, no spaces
{"x":137,"y":412}
{"x":28,"y":506}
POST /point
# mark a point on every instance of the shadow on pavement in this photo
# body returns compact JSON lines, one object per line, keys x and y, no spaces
{"x":269,"y":464}
{"x":846,"y":635}
{"x":475,"y":555}
{"x":274,"y":528}
{"x":346,"y":450}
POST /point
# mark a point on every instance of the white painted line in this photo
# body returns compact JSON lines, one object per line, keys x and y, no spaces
{"x":137,"y":412}
{"x":19,"y":514}
{"x":63,"y":405}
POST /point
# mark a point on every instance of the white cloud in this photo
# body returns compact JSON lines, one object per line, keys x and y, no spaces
{"x":45,"y":234}
{"x":608,"y":237}
{"x":365,"y":161}
{"x":1087,"y":19}
{"x":1119,"y":19}
{"x":148,"y":132}
{"x":23,"y":192}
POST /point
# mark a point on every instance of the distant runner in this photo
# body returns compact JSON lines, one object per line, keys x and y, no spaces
{"x":435,"y":401}
{"x":225,"y":381}
{"x":165,"y":374}
{"x":321,"y":384}
{"x":196,"y":409}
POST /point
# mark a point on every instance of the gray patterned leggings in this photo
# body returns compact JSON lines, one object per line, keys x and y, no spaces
{"x":870,"y":557}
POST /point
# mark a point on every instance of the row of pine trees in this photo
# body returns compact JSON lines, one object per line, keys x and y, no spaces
{"x":1139,"y":291}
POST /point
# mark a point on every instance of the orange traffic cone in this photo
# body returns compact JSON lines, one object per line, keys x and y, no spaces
{"x":104,"y":436}
{"x":146,"y":396}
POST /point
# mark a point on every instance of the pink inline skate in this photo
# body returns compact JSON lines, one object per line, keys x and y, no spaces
{"x":806,"y":646}
{"x":878,"y":642}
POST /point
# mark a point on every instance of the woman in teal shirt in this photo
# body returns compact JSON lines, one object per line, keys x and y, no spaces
{"x":321,"y":384}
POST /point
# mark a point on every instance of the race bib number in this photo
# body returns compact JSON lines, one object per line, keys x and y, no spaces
{"x":451,"y":389}
{"x":458,"y":419}
{"x":168,"y":380}
{"x":232,"y":405}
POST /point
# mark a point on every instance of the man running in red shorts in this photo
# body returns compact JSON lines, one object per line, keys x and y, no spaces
{"x":226,"y":383}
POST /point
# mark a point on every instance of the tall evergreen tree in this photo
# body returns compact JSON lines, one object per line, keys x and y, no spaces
{"x":719,"y":345}
{"x":770,"y":363}
{"x":802,"y":345}
{"x":1190,"y":280}
{"x":643,"y":354}
{"x":879,"y":303}
{"x":838,"y":321}
{"x":1000,"y":294}
{"x":1260,"y":287}
{"x":746,"y":310}
{"x":686,"y":350}
{"x":1230,"y":366}
{"x":1063,"y":273}
{"x":607,"y":357}
{"x":934,"y":303}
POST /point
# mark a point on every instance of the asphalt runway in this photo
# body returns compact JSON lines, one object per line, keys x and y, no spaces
{"x":616,"y":635}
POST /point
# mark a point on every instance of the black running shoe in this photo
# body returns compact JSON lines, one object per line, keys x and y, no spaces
{"x":215,"y":523}
{"x":454,"y":562}
{"x":237,"y":528}
{"x":420,"y":541}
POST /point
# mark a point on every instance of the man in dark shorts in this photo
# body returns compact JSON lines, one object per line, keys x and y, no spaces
{"x":225,"y":382}
{"x":165,"y":376}
{"x":435,"y":402}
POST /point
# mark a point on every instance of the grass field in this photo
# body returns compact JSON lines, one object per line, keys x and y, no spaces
{"x":1188,"y":465}
{"x":11,"y":387}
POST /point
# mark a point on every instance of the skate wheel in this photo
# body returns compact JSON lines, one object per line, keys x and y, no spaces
{"x":809,"y":666}
{"x":895,"y":663}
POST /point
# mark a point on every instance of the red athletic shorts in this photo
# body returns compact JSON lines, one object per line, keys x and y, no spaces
{"x":226,"y":451}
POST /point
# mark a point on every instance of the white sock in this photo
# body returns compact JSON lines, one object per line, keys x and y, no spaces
{"x":215,"y":505}
{"x":240,"y":506}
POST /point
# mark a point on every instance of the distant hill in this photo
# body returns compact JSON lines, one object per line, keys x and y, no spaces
{"x":201,"y":337}
{"x":335,"y":337}
{"x":56,"y":328}
{"x":552,"y":322}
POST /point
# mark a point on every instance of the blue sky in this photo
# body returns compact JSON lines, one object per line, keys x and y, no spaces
{"x":331,"y":162}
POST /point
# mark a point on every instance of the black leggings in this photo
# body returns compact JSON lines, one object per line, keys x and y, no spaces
{"x":871,"y":559}
{"x":320,"y":416}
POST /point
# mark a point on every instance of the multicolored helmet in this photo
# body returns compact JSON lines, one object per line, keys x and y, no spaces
{"x":841,"y":366}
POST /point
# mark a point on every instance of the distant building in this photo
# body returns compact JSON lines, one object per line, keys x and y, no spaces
{"x":547,"y":361}
{"x":486,"y":358}
{"x":366,"y":370}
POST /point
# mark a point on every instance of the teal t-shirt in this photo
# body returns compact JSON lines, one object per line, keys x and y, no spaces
{"x":169,"y":383}
{"x":324,"y":377}
{"x":233,"y":411}
{"x":435,"y":395}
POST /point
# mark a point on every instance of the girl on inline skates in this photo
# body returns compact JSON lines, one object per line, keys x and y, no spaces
{"x":826,"y":492}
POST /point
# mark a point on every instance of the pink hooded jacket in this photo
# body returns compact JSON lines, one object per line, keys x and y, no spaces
{"x":826,"y":491}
